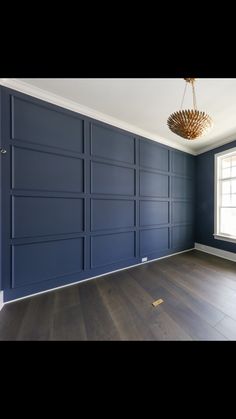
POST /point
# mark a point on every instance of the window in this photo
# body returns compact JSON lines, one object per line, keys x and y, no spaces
{"x":225,"y":195}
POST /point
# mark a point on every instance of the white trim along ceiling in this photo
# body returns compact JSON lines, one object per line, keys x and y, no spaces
{"x":113,"y":105}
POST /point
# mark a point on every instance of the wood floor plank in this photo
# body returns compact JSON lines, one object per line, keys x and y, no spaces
{"x":208,"y":261}
{"x":228,"y":266}
{"x":98,"y":322}
{"x":227,"y":327}
{"x":165,"y":328}
{"x":128,"y":324}
{"x":138,"y":302}
{"x":38,"y":318}
{"x":193,"y":324}
{"x":68,"y":324}
{"x":11,"y":317}
{"x":220,"y":266}
{"x":119,"y":310}
{"x":216,"y":278}
{"x":66,"y":297}
{"x":199,"y":303}
{"x":140,"y":299}
{"x":203,"y":308}
{"x":219,"y":296}
{"x":187,"y":319}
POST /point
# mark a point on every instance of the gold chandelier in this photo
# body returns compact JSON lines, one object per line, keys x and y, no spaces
{"x":189,"y":124}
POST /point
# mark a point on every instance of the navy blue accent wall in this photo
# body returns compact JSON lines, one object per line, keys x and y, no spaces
{"x":82,"y":198}
{"x":205,"y":200}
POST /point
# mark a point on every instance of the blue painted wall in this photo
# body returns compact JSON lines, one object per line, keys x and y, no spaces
{"x":82,"y":198}
{"x":204,"y":229}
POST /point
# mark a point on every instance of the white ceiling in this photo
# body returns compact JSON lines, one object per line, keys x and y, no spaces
{"x":147,"y":103}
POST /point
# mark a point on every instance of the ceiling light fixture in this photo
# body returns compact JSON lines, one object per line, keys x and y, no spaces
{"x":189,"y":124}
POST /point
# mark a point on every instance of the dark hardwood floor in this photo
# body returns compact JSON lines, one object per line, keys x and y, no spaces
{"x":199,"y":293}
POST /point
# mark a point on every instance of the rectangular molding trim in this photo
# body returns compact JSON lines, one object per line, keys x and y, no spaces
{"x":57,"y":100}
{"x":47,"y":96}
{"x":94,"y":277}
{"x":1,"y":300}
{"x":216,"y":252}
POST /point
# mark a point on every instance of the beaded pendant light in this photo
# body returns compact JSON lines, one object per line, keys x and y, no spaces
{"x":189,"y":124}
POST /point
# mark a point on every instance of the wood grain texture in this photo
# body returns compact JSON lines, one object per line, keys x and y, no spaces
{"x":98,"y":322}
{"x":227,"y":327}
{"x":198,"y":290}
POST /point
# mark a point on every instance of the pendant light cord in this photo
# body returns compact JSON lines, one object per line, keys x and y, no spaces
{"x":181,"y":106}
{"x":194,"y":96}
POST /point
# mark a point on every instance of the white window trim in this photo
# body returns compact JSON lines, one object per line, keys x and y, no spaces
{"x":216,"y":234}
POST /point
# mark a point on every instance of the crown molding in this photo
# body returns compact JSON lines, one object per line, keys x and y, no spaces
{"x":217,"y":144}
{"x":45,"y":95}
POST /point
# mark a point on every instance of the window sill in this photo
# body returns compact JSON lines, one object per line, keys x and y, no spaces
{"x":225,"y":238}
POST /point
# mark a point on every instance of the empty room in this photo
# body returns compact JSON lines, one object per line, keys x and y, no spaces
{"x":117,"y":209}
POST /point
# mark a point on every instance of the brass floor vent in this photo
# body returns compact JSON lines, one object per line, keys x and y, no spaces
{"x":157,"y":302}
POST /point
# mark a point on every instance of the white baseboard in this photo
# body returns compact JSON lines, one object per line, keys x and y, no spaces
{"x":1,"y":300}
{"x":216,"y":252}
{"x":97,"y":276}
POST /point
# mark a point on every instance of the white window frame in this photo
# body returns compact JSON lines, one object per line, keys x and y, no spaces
{"x":217,"y":235}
